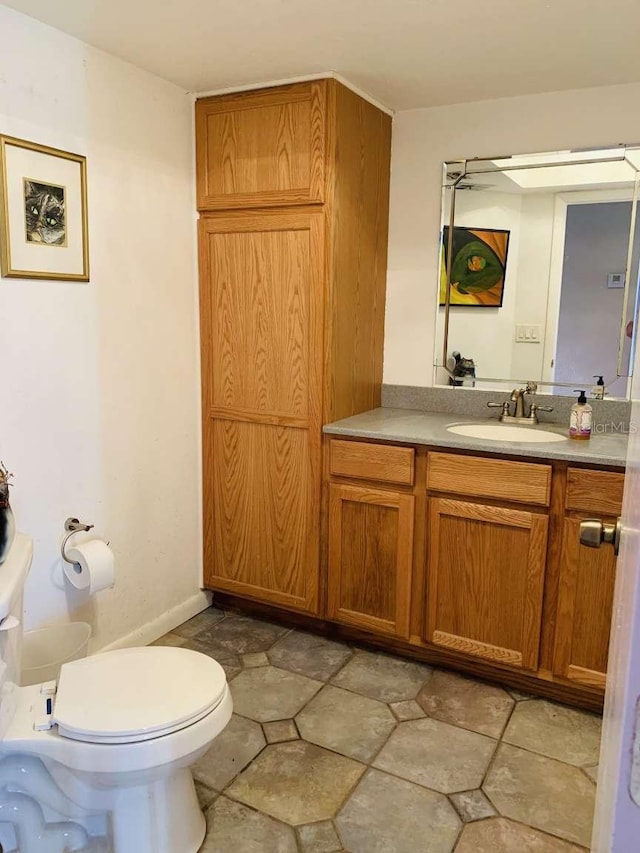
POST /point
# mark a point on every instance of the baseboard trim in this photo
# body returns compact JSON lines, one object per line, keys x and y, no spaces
{"x":150,"y":631}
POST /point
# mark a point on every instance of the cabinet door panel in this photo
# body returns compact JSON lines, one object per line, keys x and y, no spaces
{"x":486,"y":577}
{"x":261,"y":149}
{"x":585,"y":605}
{"x":370,"y":558}
{"x":260,"y":535}
{"x":260,"y":290}
{"x":261,"y":301}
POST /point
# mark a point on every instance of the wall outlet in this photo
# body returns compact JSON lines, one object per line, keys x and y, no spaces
{"x":528,"y":334}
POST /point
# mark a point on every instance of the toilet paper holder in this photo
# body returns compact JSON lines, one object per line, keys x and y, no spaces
{"x":72,"y":525}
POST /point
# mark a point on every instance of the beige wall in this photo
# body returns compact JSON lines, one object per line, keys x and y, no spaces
{"x":422,"y":140}
{"x":100,"y":381}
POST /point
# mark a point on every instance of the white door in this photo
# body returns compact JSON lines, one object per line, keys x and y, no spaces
{"x":617,"y":823}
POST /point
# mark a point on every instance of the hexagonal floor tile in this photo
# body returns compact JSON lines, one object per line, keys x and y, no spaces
{"x":241,"y":634}
{"x":543,"y":793}
{"x":558,"y":732}
{"x":437,"y":755}
{"x":499,"y":835}
{"x":383,"y":677}
{"x":233,"y":827}
{"x":345,"y":722}
{"x":267,"y":693}
{"x":387,"y":814}
{"x":297,"y":782}
{"x":231,"y":751}
{"x":464,"y":702}
{"x":310,"y":655}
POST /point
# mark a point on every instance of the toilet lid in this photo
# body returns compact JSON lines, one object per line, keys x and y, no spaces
{"x":132,"y":695}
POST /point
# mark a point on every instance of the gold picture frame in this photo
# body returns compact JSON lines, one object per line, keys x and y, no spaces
{"x":44,"y":225}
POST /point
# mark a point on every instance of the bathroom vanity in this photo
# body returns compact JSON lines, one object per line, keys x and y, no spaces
{"x":474,"y":557}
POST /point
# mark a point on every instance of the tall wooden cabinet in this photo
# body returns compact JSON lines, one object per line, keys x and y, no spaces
{"x":293,"y":187}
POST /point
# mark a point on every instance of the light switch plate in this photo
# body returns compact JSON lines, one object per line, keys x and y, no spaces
{"x":528,"y":334}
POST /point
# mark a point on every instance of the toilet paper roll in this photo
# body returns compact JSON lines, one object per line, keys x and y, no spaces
{"x":93,"y":566}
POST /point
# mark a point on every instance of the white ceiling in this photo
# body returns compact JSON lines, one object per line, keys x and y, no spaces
{"x":404,"y":53}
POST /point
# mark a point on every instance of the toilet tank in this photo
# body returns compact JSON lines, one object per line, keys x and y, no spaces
{"x":13,"y":576}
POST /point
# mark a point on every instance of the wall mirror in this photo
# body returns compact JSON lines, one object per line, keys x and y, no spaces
{"x":538,"y":276}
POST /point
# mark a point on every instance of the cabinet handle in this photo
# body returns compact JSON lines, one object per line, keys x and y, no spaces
{"x":594,"y":532}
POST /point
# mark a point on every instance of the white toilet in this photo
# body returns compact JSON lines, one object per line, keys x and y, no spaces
{"x":100,"y":760}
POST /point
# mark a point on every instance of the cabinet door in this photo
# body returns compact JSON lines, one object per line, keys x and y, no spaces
{"x":261,"y":286}
{"x":585,"y":603}
{"x":370,"y":558}
{"x":486,"y":577}
{"x":261,"y":149}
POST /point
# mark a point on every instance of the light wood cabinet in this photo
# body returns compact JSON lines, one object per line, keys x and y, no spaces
{"x":586,"y":580}
{"x":486,"y":571}
{"x":293,"y":189}
{"x":382,"y":462}
{"x":493,"y":579}
{"x":262,"y":149}
{"x":585,"y":606}
{"x":370,"y":558}
{"x":261,"y":298}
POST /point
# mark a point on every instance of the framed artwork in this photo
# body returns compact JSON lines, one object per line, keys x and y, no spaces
{"x":43,"y":212}
{"x":478,"y":268}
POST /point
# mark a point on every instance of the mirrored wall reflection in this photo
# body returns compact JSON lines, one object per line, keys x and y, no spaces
{"x":543,"y":254}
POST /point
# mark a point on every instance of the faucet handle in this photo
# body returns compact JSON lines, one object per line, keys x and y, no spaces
{"x":504,"y":406}
{"x":535,"y":408}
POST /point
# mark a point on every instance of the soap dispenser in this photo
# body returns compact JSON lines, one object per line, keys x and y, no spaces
{"x":598,"y":390}
{"x":580,"y":420}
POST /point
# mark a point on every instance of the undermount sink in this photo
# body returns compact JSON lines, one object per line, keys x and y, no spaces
{"x":504,"y":432}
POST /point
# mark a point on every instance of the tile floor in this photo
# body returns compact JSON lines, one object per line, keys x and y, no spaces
{"x":335,"y":748}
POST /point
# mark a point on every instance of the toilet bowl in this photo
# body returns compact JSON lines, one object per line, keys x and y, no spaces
{"x":105,"y":752}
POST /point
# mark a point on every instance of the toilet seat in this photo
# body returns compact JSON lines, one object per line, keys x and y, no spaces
{"x":134,"y":695}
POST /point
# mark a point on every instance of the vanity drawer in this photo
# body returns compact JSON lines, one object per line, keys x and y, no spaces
{"x":522,"y":482}
{"x":382,"y":462}
{"x":594,"y":491}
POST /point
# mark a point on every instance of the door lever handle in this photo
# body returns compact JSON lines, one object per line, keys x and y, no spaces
{"x":594,"y":532}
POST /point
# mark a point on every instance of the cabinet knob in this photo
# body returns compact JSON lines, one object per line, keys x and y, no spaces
{"x":594,"y":532}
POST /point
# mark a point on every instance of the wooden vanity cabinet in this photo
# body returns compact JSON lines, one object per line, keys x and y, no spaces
{"x":486,"y":563}
{"x":586,"y":580}
{"x":370,"y":537}
{"x":370,"y":558}
{"x":293,"y":187}
{"x":486,"y":570}
{"x":474,"y":562}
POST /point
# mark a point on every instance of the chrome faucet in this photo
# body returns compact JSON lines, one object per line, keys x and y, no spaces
{"x":519,"y":416}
